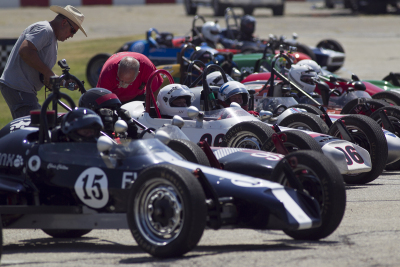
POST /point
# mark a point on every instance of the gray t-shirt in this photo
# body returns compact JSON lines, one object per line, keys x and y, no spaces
{"x":17,"y":74}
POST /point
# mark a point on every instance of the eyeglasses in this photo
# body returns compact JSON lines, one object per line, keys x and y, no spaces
{"x":73,"y":31}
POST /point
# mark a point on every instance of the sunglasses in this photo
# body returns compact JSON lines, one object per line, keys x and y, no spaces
{"x":73,"y":31}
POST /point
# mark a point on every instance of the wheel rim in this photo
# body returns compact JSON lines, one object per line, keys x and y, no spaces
{"x":247,"y":141}
{"x":358,"y":135}
{"x":310,"y":182}
{"x":159,"y":212}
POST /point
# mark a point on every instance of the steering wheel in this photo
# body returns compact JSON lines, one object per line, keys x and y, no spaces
{"x":209,"y":98}
{"x":150,"y":39}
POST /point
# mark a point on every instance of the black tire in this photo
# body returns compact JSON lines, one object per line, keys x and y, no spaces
{"x":393,"y":78}
{"x":305,"y":121}
{"x":219,"y":9}
{"x":376,"y":7}
{"x":322,"y":181}
{"x":331,"y":44}
{"x":392,"y":98}
{"x":248,"y":10}
{"x":189,"y":8}
{"x":295,"y":140}
{"x":157,"y":187}
{"x":306,"y":50}
{"x":368,"y":135}
{"x":309,"y":108}
{"x":278,"y":10}
{"x":94,"y":66}
{"x":329,"y":4}
{"x":189,"y":151}
{"x":66,"y":233}
{"x":247,"y":134}
{"x":393,"y":113}
{"x":352,"y":107}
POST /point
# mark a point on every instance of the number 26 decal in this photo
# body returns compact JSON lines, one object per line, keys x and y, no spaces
{"x":351,"y":155}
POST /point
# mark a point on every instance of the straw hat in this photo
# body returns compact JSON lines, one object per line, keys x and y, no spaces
{"x":72,"y":13}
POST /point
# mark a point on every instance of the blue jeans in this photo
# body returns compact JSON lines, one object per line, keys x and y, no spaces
{"x":20,"y":103}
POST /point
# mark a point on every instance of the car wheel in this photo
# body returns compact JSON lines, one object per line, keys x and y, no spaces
{"x":392,"y":98}
{"x":393,"y":78}
{"x":331,"y":44}
{"x":190,"y":8}
{"x":368,"y":135}
{"x":166,"y":211}
{"x":322,"y":181}
{"x":94,"y":68}
{"x":278,"y":10}
{"x":306,"y":50}
{"x":219,"y":9}
{"x":248,"y":134}
{"x":393,"y":114}
{"x":353,"y":107}
{"x":64,"y":233}
{"x":189,"y":151}
{"x":295,"y":140}
{"x":329,"y":4}
{"x":305,"y":121}
{"x":248,"y":10}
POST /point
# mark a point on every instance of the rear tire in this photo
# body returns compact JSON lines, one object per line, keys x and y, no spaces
{"x":305,"y":121}
{"x":306,"y":50}
{"x":94,"y":67}
{"x":189,"y":151}
{"x":248,"y":10}
{"x":247,"y":134}
{"x":309,"y":108}
{"x":322,"y":181}
{"x":219,"y":9}
{"x":368,"y":135}
{"x":295,"y":140}
{"x":64,"y":233}
{"x":352,"y":107}
{"x":392,"y":98}
{"x":278,"y":10}
{"x":189,"y":8}
{"x":166,"y":211}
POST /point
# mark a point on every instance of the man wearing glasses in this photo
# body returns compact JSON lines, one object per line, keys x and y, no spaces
{"x":35,"y":53}
{"x":126,"y":74}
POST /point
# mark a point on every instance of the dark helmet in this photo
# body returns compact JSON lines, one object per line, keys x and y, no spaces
{"x":247,"y":25}
{"x":204,"y":55}
{"x":81,"y":118}
{"x":97,"y":98}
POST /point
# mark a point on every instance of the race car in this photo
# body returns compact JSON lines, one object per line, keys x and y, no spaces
{"x":69,"y":188}
{"x":237,"y":128}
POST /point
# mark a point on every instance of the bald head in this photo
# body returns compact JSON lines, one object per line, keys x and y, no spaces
{"x":128,"y":70}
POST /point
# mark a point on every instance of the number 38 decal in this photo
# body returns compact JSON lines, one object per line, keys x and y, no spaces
{"x":92,"y":187}
{"x":351,"y":155}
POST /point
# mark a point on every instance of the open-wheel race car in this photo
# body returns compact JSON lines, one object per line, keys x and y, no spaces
{"x":235,"y":127}
{"x":68,"y":188}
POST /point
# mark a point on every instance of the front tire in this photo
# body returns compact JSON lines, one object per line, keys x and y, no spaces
{"x":166,"y":211}
{"x":353,"y":107}
{"x":321,"y":180}
{"x":392,"y":98}
{"x":190,"y":8}
{"x":295,"y":140}
{"x":189,"y":151}
{"x":306,"y":50}
{"x":305,"y":121}
{"x":278,"y":10}
{"x":219,"y":9}
{"x":368,"y":135}
{"x":94,"y":67}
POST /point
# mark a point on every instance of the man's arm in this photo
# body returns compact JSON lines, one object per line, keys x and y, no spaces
{"x":30,"y":56}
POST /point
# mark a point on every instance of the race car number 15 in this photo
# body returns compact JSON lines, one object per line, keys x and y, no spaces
{"x":92,"y":187}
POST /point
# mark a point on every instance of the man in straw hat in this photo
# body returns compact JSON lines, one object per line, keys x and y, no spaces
{"x":35,"y":53}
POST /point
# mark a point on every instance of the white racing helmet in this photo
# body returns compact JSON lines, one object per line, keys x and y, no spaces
{"x":303,"y":76}
{"x":215,"y":78}
{"x":309,"y":62}
{"x":211,"y":31}
{"x":171,"y":92}
{"x":230,"y":89}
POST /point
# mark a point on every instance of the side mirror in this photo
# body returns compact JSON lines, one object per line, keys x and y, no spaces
{"x":104,"y":144}
{"x":178,"y":121}
{"x":192,"y":112}
{"x":120,"y":126}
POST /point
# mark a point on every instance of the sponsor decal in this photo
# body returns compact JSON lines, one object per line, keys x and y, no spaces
{"x":34,"y":163}
{"x":11,"y":160}
{"x":19,"y":124}
{"x":92,"y":187}
{"x":128,"y":178}
{"x":57,"y":166}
